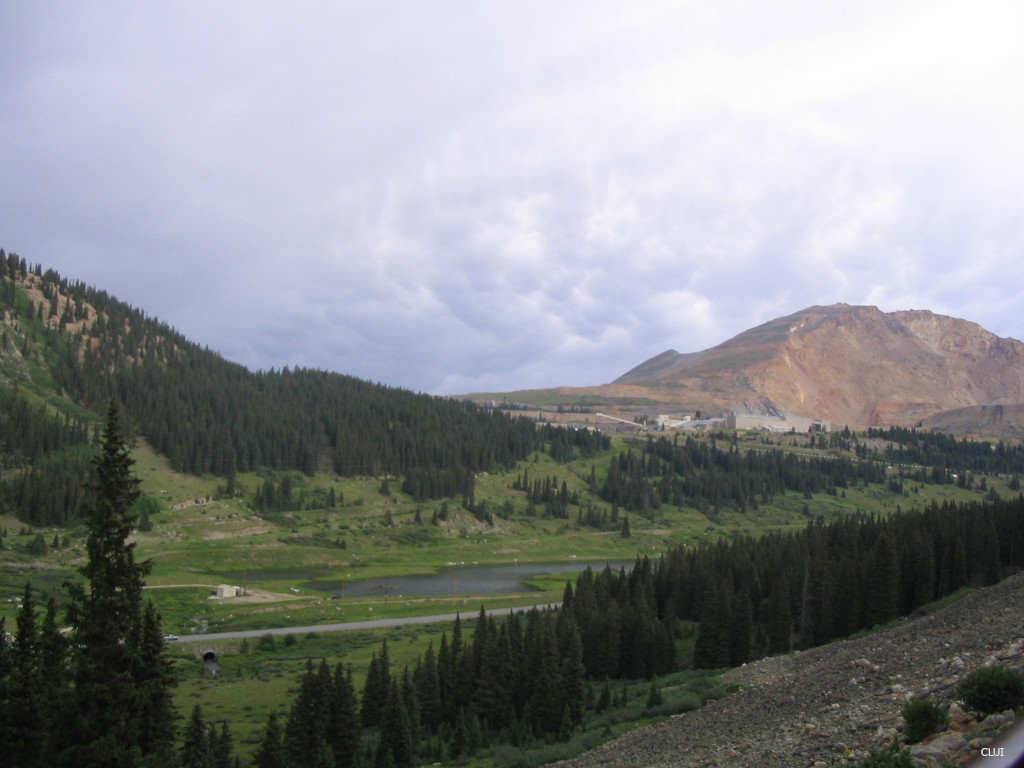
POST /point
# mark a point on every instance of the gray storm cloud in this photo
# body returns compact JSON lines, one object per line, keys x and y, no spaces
{"x":455,"y":197}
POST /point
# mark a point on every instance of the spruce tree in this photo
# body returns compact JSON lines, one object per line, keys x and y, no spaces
{"x":270,"y":753}
{"x":221,"y":747}
{"x":712,"y":647}
{"x":53,"y":682}
{"x":25,"y":727}
{"x":883,"y":578}
{"x":344,"y":720}
{"x":428,"y":690}
{"x":395,"y":745}
{"x":119,"y":676}
{"x":195,"y":751}
{"x":375,"y":688}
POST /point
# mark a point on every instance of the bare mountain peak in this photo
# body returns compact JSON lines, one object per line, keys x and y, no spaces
{"x":846,"y":363}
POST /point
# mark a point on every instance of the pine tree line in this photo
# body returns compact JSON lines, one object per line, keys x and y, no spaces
{"x":906,"y":445}
{"x":699,"y":474}
{"x":782,"y":592}
{"x":514,"y":681}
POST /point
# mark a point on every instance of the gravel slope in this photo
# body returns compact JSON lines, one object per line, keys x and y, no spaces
{"x":829,"y":705}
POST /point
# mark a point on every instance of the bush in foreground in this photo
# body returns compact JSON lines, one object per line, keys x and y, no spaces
{"x":893,"y":757}
{"x":923,"y":718}
{"x":992,"y":689}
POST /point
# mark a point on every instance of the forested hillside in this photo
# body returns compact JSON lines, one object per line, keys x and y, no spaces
{"x":72,"y":346}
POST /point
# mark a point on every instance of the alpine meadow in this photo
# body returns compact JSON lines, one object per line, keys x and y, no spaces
{"x":181,"y":536}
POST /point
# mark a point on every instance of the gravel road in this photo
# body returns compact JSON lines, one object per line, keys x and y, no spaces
{"x":347,"y":626}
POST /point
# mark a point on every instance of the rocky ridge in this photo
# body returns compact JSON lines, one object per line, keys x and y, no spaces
{"x":830,"y":705}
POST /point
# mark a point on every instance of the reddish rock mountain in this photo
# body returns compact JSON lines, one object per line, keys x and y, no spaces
{"x":849,"y":364}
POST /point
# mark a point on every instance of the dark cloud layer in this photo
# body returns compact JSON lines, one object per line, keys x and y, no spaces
{"x":475,"y":196}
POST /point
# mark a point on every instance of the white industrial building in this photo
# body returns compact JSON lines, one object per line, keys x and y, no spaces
{"x":776,"y":423}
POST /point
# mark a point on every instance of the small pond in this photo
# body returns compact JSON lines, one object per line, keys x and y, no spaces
{"x":457,"y":580}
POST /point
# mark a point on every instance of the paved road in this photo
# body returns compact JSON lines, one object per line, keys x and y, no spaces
{"x":348,"y":625}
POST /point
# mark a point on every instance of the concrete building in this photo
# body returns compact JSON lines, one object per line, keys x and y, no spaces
{"x":776,"y":423}
{"x":666,"y":421}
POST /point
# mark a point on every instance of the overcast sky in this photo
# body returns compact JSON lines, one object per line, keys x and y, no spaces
{"x":470,"y":196}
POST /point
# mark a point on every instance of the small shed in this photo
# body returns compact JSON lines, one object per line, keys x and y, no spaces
{"x":226,"y":590}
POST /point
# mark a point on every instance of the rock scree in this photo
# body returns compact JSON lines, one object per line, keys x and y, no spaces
{"x":830,"y":705}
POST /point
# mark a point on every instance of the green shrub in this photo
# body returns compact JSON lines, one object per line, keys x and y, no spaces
{"x":654,"y":697}
{"x":893,"y":757}
{"x":923,"y":717}
{"x":991,"y":690}
{"x":266,"y":643}
{"x":676,"y":706}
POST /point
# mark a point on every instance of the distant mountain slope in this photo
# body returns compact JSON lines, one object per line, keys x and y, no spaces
{"x":980,"y":420}
{"x":849,"y":364}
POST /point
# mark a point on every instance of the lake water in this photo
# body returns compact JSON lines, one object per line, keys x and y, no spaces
{"x":457,"y":580}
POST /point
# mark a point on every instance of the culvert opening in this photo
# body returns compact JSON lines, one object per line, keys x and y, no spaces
{"x":210,"y":662}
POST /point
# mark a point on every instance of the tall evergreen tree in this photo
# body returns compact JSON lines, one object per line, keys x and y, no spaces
{"x":113,"y":643}
{"x":428,"y":690}
{"x":270,"y":753}
{"x":375,"y":689}
{"x":713,"y":644}
{"x":740,"y":629}
{"x":881,"y":602}
{"x":395,"y":745}
{"x":26,"y":730}
{"x":344,"y":720}
{"x":221,"y":747}
{"x":195,"y":751}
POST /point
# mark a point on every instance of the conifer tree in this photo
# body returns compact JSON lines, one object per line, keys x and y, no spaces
{"x":116,"y":660}
{"x":310,"y":729}
{"x":270,"y":753}
{"x":573,"y":673}
{"x":25,"y":728}
{"x":428,"y":690}
{"x":221,"y":747}
{"x":375,"y":689}
{"x":882,"y":587}
{"x":195,"y":752}
{"x":740,"y":628}
{"x":780,"y":623}
{"x":395,"y":746}
{"x":713,"y":638}
{"x":344,"y":720}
